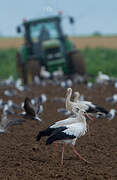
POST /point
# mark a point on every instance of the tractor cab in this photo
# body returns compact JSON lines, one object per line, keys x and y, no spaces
{"x":46,"y":44}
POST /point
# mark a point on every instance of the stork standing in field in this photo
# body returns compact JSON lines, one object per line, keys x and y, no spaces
{"x":66,"y":131}
{"x":68,"y":134}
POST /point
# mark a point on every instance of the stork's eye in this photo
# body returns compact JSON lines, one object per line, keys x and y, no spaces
{"x":77,"y":109}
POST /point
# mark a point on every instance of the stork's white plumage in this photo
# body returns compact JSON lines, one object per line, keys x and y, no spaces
{"x":91,"y":107}
{"x":68,"y":134}
{"x":66,"y":131}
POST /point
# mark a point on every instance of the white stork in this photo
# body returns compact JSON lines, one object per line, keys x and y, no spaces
{"x":66,"y":131}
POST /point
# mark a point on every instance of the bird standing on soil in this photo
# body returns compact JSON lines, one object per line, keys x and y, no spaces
{"x":112,"y":99}
{"x":7,"y":122}
{"x":44,"y":73}
{"x":111,"y":114}
{"x":68,"y":134}
{"x":102,"y":78}
{"x":66,"y":131}
{"x":31,"y":111}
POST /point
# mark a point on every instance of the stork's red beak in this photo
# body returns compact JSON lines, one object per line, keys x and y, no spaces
{"x":89,"y":117}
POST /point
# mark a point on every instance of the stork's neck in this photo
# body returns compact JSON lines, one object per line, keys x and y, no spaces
{"x":76,"y":99}
{"x":68,"y":99}
{"x":81,"y":118}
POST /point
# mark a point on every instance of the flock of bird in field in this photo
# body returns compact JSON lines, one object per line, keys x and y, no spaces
{"x":79,"y":112}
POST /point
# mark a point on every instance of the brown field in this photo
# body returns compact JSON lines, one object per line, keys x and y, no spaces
{"x":80,"y":42}
{"x":23,"y":158}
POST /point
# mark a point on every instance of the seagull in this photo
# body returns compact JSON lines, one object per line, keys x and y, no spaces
{"x":64,"y":111}
{"x":91,"y":107}
{"x":8,"y":110}
{"x":9,"y":81}
{"x":12,"y":105}
{"x":37,"y":80}
{"x":89,"y":84}
{"x":102,"y":78}
{"x":67,"y":83}
{"x":67,"y":133}
{"x":59,"y":99}
{"x":112,"y":99}
{"x":31,"y":111}
{"x":1,"y":103}
{"x":44,"y":73}
{"x":5,"y":123}
{"x":58,"y":73}
{"x":111,"y":114}
{"x":10,"y":92}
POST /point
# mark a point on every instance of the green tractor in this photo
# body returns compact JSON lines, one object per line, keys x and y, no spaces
{"x":46,"y":45}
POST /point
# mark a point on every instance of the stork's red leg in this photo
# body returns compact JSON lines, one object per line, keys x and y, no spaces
{"x":54,"y":149}
{"x":62,"y":155}
{"x":75,"y":151}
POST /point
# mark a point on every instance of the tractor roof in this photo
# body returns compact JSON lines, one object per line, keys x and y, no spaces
{"x":41,"y":20}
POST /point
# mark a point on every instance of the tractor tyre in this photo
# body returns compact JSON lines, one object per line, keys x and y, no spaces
{"x":78,"y":64}
{"x":33,"y":69}
{"x":21,"y":68}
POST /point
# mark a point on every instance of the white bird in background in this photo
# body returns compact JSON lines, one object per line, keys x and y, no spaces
{"x":1,"y":103}
{"x":10,"y":92}
{"x":9,"y":81}
{"x":66,"y":132}
{"x":7,"y":110}
{"x":89,"y":84}
{"x":66,"y":83}
{"x":64,"y":111}
{"x":58,"y":73}
{"x":18,"y":85}
{"x":112,"y":99}
{"x":44,"y":73}
{"x":102,"y":78}
{"x":37,"y":80}
{"x":111,"y":114}
{"x":5,"y":123}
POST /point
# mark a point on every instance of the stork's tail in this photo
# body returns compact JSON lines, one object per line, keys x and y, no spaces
{"x":38,"y":137}
{"x":46,"y":132}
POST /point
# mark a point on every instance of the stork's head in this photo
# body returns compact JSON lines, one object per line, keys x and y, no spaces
{"x":76,"y":95}
{"x":69,"y":91}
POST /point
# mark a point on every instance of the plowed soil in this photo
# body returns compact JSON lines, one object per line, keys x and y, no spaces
{"x":23,"y":158}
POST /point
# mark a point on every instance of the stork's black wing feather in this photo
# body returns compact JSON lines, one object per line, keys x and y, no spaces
{"x":59,"y":135}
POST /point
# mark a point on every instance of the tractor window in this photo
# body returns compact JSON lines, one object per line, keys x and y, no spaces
{"x":43,"y":31}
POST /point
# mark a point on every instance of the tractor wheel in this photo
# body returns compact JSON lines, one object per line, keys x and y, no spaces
{"x":78,"y":63}
{"x":33,"y":69}
{"x":21,"y":68}
{"x":27,"y":71}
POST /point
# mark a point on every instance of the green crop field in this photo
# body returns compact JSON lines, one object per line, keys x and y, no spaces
{"x":7,"y":63}
{"x":96,"y":59}
{"x":101,"y":59}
